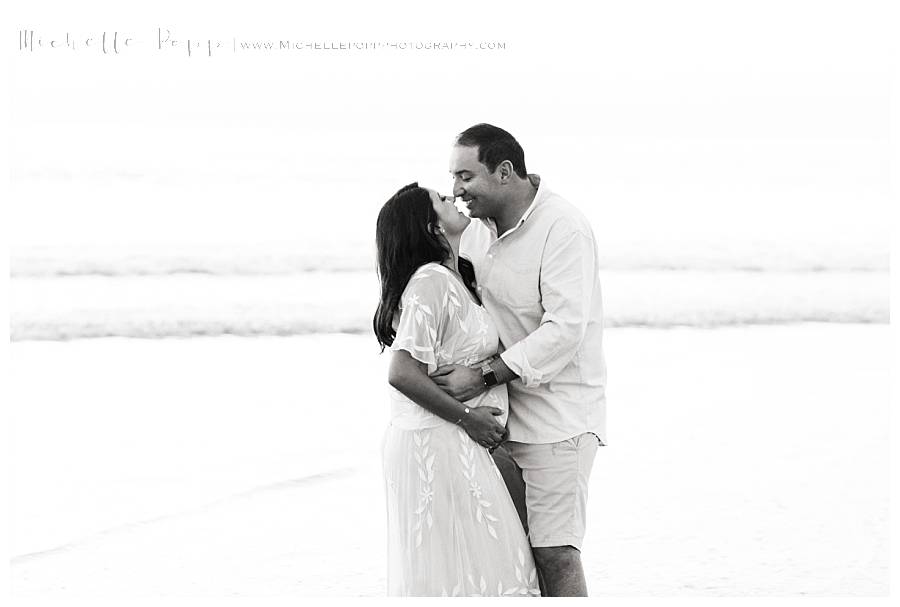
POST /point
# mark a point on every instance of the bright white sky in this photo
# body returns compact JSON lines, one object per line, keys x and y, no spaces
{"x":697,"y":121}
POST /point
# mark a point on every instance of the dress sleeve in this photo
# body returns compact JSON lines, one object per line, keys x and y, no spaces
{"x":421,"y":319}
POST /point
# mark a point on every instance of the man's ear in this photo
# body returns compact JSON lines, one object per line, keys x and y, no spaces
{"x":505,"y":169}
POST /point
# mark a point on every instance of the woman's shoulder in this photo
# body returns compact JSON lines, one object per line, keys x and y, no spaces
{"x":431,"y":277}
{"x":431,"y":271}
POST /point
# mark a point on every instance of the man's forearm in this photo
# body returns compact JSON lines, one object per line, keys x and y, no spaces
{"x":465,"y":383}
{"x":502,"y":372}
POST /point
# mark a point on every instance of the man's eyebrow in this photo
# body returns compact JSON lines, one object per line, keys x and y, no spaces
{"x":461,"y":171}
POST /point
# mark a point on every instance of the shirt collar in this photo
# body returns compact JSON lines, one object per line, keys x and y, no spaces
{"x":541,"y":193}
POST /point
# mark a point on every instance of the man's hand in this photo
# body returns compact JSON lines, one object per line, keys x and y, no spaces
{"x":481,"y":425}
{"x":462,"y":383}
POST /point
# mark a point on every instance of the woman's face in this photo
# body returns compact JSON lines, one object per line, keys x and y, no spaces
{"x":449,"y":217}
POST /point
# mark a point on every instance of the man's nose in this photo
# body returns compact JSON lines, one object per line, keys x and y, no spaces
{"x":458,"y":190}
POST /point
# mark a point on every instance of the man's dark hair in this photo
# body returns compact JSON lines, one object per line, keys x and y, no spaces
{"x":494,"y":146}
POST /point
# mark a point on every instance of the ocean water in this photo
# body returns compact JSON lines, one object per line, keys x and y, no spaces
{"x":153,"y":292}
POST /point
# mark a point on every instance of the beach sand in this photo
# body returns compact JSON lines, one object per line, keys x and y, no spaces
{"x":741,"y":462}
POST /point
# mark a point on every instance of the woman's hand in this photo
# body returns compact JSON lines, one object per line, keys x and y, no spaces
{"x":481,"y":425}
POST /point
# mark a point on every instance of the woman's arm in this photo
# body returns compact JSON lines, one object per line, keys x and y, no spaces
{"x":410,"y":377}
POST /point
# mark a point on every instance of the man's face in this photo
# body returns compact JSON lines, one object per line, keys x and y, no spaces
{"x":473,"y":182}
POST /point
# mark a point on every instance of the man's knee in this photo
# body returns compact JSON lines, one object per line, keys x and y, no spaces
{"x":555,"y":558}
{"x":560,"y":571}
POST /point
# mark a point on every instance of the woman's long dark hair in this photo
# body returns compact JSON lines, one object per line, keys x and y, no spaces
{"x":405,"y":239}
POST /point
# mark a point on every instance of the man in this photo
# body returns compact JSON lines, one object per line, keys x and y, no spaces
{"x":536,"y":266}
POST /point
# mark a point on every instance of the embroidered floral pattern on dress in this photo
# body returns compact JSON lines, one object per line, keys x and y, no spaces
{"x":425,"y":461}
{"x":467,"y":456}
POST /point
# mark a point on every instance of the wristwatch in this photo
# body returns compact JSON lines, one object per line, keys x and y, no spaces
{"x":488,"y":375}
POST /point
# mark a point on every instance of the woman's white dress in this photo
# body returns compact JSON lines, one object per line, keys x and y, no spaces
{"x":452,"y":527}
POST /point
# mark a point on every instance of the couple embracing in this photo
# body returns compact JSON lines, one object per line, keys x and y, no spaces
{"x":497,"y":379}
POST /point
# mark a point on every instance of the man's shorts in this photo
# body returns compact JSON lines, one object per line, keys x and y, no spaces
{"x":556,"y":488}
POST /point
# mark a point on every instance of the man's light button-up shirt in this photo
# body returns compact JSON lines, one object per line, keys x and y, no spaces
{"x":543,"y":291}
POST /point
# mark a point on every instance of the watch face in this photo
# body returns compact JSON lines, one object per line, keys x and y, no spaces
{"x":489,"y":377}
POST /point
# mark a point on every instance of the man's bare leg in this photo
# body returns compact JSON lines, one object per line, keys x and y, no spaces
{"x":561,"y":570}
{"x":512,"y":476}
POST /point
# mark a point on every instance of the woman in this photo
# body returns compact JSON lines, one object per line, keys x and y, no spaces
{"x":452,"y":527}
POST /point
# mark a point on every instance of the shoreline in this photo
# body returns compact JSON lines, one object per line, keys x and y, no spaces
{"x":186,"y":305}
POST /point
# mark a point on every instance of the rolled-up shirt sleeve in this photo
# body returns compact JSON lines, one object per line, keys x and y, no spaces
{"x":567,"y":275}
